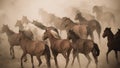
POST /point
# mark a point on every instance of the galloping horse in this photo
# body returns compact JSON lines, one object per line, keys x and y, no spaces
{"x":113,"y":43}
{"x":13,"y":39}
{"x":83,"y":46}
{"x":92,"y":25}
{"x":80,"y":30}
{"x":62,"y":46}
{"x":34,"y":48}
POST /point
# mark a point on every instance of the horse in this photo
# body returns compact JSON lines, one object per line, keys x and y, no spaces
{"x":92,"y":25}
{"x":41,"y":26}
{"x":31,"y":28}
{"x":34,"y":48}
{"x":112,"y":44}
{"x":104,"y":17}
{"x":84,"y":46}
{"x":62,"y":46}
{"x":80,"y":30}
{"x":51,"y":18}
{"x":13,"y":39}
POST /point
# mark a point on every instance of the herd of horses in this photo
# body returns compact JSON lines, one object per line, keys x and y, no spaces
{"x":76,"y":42}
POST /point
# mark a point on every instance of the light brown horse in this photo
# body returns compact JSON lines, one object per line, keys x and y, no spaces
{"x":83,"y":46}
{"x":113,"y":43}
{"x":62,"y":46}
{"x":92,"y":25}
{"x":13,"y":39}
{"x":80,"y":30}
{"x":34,"y":48}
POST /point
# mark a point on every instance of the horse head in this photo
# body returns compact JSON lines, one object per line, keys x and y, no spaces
{"x":66,"y":21}
{"x":18,"y":23}
{"x":107,"y":32}
{"x":78,"y":15}
{"x":71,"y":35}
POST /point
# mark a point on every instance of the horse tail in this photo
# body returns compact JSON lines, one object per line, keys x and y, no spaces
{"x":96,"y":50}
{"x":98,"y":28}
{"x":47,"y":55}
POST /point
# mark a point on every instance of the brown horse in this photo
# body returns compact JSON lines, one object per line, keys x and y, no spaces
{"x":92,"y":25}
{"x":13,"y":39}
{"x":58,"y":46}
{"x":113,"y":43}
{"x":83,"y":46}
{"x":80,"y":30}
{"x":34,"y":48}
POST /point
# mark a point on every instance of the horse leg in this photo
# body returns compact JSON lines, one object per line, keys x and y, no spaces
{"x":24,"y":54}
{"x":55,"y":58}
{"x":66,"y":57}
{"x":89,"y":60}
{"x":109,"y":50}
{"x":116,"y":55}
{"x":91,"y":35}
{"x":78,"y":60}
{"x":12,"y":52}
{"x":32,"y":61}
{"x":96,"y":59}
{"x":25,"y":58}
{"x":74,"y":56}
{"x":39,"y":60}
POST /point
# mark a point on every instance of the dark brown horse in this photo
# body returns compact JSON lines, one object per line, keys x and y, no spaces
{"x":34,"y":48}
{"x":83,"y":46}
{"x":62,"y":46}
{"x":92,"y":25}
{"x":113,"y":43}
{"x":13,"y":39}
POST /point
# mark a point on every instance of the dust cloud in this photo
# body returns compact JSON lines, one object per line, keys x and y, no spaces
{"x":13,"y":10}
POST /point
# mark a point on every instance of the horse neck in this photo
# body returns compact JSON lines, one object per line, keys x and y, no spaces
{"x":110,"y":36}
{"x":99,"y":14}
{"x":9,"y":32}
{"x":82,"y":19}
{"x":52,"y":39}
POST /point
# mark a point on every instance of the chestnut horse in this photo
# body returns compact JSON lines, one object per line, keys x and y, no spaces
{"x":58,"y":46}
{"x":92,"y":25}
{"x":113,"y":43}
{"x":83,"y":46}
{"x":34,"y":48}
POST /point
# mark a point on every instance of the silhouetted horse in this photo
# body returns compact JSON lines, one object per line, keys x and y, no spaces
{"x":83,"y":46}
{"x":113,"y":43}
{"x":34,"y":48}
{"x":92,"y":25}
{"x":62,"y":46}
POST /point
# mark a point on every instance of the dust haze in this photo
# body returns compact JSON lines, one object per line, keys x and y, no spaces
{"x":13,"y":10}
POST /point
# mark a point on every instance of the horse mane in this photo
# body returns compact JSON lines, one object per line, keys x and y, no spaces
{"x":74,"y":34}
{"x":40,"y":25}
{"x":55,"y":34}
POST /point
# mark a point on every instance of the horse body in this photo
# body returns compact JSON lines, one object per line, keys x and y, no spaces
{"x":113,"y":43}
{"x":92,"y":25}
{"x":83,"y":46}
{"x":34,"y":48}
{"x":58,"y":46}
